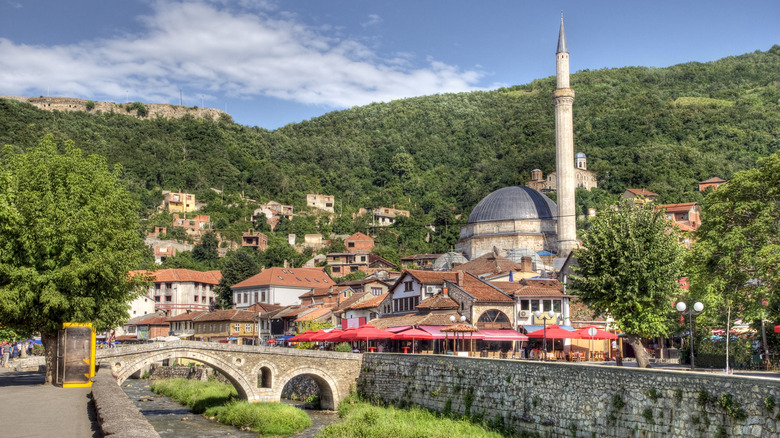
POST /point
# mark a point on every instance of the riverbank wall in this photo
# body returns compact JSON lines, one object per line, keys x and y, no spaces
{"x":117,"y":415}
{"x":565,"y":399}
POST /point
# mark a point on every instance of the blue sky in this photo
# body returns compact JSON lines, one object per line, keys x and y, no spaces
{"x":270,"y":63}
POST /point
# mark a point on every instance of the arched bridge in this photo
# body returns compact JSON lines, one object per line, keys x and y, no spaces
{"x":258,"y":373}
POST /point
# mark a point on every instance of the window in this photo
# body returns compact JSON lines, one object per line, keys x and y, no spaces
{"x":408,"y":286}
{"x":337,"y":269}
{"x":557,"y":306}
{"x":196,"y":298}
{"x":262,"y":295}
{"x":168,"y":298}
{"x":237,"y":327}
{"x":350,"y":244}
{"x":362,"y":258}
{"x":524,"y":304}
{"x":221,"y":327}
{"x":547,"y":305}
{"x":256,"y":296}
{"x":535,"y":305}
{"x":376,"y":291}
{"x":157,"y":299}
{"x":248,"y":328}
{"x":169,"y":285}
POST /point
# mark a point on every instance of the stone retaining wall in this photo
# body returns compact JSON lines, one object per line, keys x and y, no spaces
{"x":563,"y":399}
{"x":117,"y":415}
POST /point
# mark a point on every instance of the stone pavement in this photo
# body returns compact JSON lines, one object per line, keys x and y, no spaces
{"x":28,"y":408}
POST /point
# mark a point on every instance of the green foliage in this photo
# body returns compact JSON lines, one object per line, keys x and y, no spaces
{"x":206,"y":251}
{"x":653,"y":394}
{"x":196,"y":394}
{"x":629,"y":266}
{"x":769,"y":403}
{"x":90,"y":105}
{"x":617,"y":401}
{"x":68,"y":238}
{"x":357,"y":275}
{"x":267,"y":419}
{"x":343,"y":347}
{"x":237,"y":266}
{"x":731,"y":406}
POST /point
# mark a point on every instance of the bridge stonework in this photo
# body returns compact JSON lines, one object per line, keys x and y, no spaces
{"x":258,"y":373}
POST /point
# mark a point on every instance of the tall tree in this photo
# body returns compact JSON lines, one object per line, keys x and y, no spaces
{"x":629,"y":268}
{"x":237,"y":266}
{"x":68,"y":238}
{"x":206,"y":251}
{"x":738,"y":248}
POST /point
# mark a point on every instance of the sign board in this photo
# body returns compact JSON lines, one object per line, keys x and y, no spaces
{"x":592,"y":331}
{"x":77,"y":355}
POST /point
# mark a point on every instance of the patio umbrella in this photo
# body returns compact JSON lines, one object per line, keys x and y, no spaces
{"x":319,"y":336}
{"x":584,"y":334}
{"x":302,"y":337}
{"x":366,"y":333}
{"x":333,"y":335}
{"x":412,"y":335}
{"x":344,"y":336}
{"x":270,"y":341}
{"x":554,"y":332}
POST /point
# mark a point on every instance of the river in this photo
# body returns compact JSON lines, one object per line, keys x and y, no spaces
{"x":165,"y":415}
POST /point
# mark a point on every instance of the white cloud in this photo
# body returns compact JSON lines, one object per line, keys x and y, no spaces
{"x":373,"y":20}
{"x":218,"y":47}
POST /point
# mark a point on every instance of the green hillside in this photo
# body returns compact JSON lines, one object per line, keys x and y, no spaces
{"x":663,"y":129}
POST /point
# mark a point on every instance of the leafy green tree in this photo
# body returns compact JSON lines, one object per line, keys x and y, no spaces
{"x":261,"y":223}
{"x":629,"y":268}
{"x":69,"y":236}
{"x":206,"y":251}
{"x":734,"y":262}
{"x":236,"y":267}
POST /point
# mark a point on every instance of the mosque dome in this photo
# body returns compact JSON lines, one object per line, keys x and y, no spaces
{"x":513,"y":203}
{"x":580,"y":155}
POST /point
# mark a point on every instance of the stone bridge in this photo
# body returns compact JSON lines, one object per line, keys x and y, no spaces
{"x":258,"y":373}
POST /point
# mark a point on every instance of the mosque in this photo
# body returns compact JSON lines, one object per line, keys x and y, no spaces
{"x":522,"y":220}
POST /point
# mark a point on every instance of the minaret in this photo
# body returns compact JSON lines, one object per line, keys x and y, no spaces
{"x":564,"y":149}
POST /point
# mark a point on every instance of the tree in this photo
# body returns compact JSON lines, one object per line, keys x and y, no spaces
{"x":206,"y":251}
{"x":629,"y":267}
{"x":735,"y":259}
{"x":68,"y":238}
{"x":237,"y":267}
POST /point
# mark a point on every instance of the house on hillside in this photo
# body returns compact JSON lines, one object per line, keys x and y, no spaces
{"x":420,"y":261}
{"x":145,"y":327}
{"x":713,"y":183}
{"x":383,"y":216}
{"x":281,"y":286}
{"x":359,"y":243}
{"x":639,"y":196}
{"x":687,"y":214}
{"x":178,"y":202}
{"x":253,"y":239}
{"x":183,"y":325}
{"x":326,"y":295}
{"x":321,"y":202}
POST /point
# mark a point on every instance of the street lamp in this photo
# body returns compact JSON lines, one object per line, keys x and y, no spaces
{"x":697,"y":309}
{"x":258,"y":328}
{"x":545,"y":316}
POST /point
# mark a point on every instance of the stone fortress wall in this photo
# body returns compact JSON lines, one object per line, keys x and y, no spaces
{"x":154,"y":109}
{"x":563,"y":399}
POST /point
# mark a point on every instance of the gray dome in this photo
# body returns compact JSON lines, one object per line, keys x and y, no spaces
{"x":512,"y":203}
{"x":580,"y":155}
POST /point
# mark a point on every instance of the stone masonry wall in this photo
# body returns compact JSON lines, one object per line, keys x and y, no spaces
{"x":563,"y":399}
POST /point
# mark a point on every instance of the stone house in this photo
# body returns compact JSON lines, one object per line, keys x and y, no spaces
{"x":321,"y":202}
{"x":236,"y":326}
{"x":281,"y":286}
{"x":713,"y":183}
{"x":687,"y":214}
{"x":370,"y":284}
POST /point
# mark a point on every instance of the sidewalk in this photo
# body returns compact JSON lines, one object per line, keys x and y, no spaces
{"x":44,"y":410}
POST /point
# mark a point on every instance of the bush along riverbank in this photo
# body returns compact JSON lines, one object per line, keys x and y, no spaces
{"x":220,"y":401}
{"x":365,"y":420}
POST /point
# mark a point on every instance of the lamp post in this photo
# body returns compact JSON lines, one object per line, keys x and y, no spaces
{"x":697,"y":309}
{"x":545,"y":316}
{"x":258,"y":329}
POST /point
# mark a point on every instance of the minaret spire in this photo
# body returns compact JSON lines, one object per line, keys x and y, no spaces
{"x":564,"y":149}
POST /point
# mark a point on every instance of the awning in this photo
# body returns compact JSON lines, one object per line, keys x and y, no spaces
{"x":283,"y":338}
{"x":532,"y":328}
{"x":435,"y":331}
{"x":399,"y":328}
{"x":502,"y":335}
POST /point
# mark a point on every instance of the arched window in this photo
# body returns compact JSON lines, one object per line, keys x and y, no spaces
{"x":493,"y":319}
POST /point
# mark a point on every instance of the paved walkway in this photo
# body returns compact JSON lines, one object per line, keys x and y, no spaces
{"x":28,"y":408}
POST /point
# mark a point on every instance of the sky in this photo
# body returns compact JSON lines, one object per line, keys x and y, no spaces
{"x":270,"y":63}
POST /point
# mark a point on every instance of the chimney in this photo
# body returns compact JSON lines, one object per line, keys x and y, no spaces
{"x":526,"y":264}
{"x":444,"y":291}
{"x":459,"y":277}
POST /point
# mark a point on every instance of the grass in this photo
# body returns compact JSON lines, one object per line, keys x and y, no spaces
{"x":219,"y":400}
{"x":361,"y":419}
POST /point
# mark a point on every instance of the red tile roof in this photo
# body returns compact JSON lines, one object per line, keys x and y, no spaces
{"x":187,"y":316}
{"x":713,"y":180}
{"x":481,"y":290}
{"x":490,"y":263}
{"x":440,"y":319}
{"x":641,"y":192}
{"x":434,"y":277}
{"x":369,"y":303}
{"x":532,"y":288}
{"x":358,"y":236}
{"x":291,"y":277}
{"x":673,"y":208}
{"x":438,"y":302}
{"x":182,"y":276}
{"x":232,"y":315}
{"x":314,"y":314}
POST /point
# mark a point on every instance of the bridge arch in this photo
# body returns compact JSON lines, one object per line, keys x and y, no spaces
{"x":330,"y":395}
{"x":123,"y":369}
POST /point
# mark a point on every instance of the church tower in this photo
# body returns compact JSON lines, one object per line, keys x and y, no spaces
{"x":564,"y":149}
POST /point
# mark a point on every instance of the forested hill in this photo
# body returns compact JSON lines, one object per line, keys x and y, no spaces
{"x":663,"y":129}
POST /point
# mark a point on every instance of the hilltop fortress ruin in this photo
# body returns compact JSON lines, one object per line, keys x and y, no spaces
{"x":151,"y":110}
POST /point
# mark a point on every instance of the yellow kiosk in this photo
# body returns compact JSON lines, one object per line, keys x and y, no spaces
{"x":76,"y":355}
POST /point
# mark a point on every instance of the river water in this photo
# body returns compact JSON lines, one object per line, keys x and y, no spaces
{"x":165,"y":415}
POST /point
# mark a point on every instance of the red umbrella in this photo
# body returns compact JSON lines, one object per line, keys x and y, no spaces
{"x":412,"y":335}
{"x":344,"y":335}
{"x":600,"y":334}
{"x":303,"y":337}
{"x":270,"y":341}
{"x":319,"y":336}
{"x":333,"y":335}
{"x":366,"y":333}
{"x":554,"y":332}
{"x":777,"y":329}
